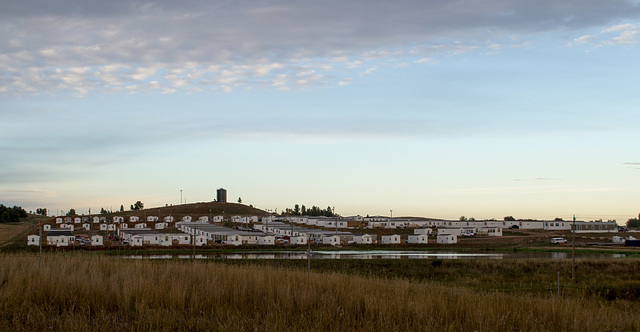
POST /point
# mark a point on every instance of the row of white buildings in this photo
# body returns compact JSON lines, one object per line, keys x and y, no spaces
{"x":136,"y":219}
{"x":204,"y":233}
{"x":549,"y":225}
{"x":62,"y":237}
{"x":355,"y":222}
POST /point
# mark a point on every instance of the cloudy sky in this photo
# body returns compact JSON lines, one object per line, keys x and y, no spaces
{"x":481,"y":108}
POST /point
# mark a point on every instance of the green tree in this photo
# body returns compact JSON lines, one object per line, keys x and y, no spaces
{"x":633,"y":222}
{"x":121,"y":208}
{"x":463,"y":218}
{"x":509,"y":218}
{"x":329,"y":212}
{"x":240,"y":200}
{"x":138,"y":206}
{"x":72,"y":212}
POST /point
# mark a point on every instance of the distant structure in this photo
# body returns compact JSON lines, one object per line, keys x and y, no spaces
{"x":222,"y":195}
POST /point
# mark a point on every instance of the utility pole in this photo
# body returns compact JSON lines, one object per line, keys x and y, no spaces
{"x":573,"y":252}
{"x":40,"y":244}
{"x":195,"y":233}
{"x":309,"y":258}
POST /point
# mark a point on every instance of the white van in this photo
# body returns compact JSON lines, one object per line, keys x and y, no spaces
{"x":558,"y":240}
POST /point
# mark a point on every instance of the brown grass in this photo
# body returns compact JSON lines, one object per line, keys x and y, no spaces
{"x":16,"y":232}
{"x":77,"y":292}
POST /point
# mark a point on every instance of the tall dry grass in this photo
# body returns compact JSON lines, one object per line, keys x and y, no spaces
{"x":76,"y":292}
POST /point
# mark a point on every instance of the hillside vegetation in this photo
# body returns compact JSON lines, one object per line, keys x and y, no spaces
{"x":194,"y":210}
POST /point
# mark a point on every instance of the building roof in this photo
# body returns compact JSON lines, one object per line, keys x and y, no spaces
{"x":138,"y":231}
{"x":60,"y":232}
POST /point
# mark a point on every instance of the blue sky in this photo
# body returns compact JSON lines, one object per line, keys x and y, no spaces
{"x":427,"y":108}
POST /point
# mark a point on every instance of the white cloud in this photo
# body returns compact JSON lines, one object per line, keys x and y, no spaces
{"x":586,"y":39}
{"x":431,"y":61}
{"x":235,"y":44}
{"x":49,"y":52}
{"x":619,"y":27}
{"x":626,"y":37}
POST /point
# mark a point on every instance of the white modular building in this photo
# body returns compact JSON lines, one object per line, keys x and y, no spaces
{"x":391,"y":239}
{"x":333,"y":240}
{"x":267,"y":219}
{"x":70,"y":228}
{"x":267,"y":240}
{"x":201,"y":240}
{"x":362,"y":239}
{"x":298,"y":240}
{"x":447,"y":239}
{"x":169,"y":239}
{"x":239,"y":219}
{"x":596,"y":227}
{"x":60,"y":237}
{"x":139,"y":236}
{"x":425,"y":231}
{"x":450,"y":231}
{"x":490,"y":231}
{"x":557,"y":225}
{"x":97,"y":240}
{"x":417,"y":239}
{"x":33,"y":240}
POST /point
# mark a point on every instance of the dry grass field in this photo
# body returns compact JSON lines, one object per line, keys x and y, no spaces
{"x":72,"y":292}
{"x":16,"y":232}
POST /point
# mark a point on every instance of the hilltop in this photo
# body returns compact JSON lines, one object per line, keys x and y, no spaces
{"x":194,"y":210}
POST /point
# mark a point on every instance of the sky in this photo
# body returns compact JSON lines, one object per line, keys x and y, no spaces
{"x":442,"y":109}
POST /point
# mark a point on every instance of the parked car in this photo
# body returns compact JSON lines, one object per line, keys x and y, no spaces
{"x":514,"y":227}
{"x":558,"y":240}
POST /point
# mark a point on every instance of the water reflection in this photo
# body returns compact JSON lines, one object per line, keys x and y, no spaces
{"x":374,"y":254}
{"x":384,"y":254}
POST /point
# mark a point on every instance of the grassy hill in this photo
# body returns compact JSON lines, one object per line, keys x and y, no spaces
{"x":18,"y":231}
{"x":194,"y":210}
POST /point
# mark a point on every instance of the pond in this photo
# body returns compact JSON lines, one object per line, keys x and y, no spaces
{"x":375,"y":254}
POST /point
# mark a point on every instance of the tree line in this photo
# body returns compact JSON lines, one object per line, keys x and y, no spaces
{"x":13,"y":214}
{"x":314,"y":211}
